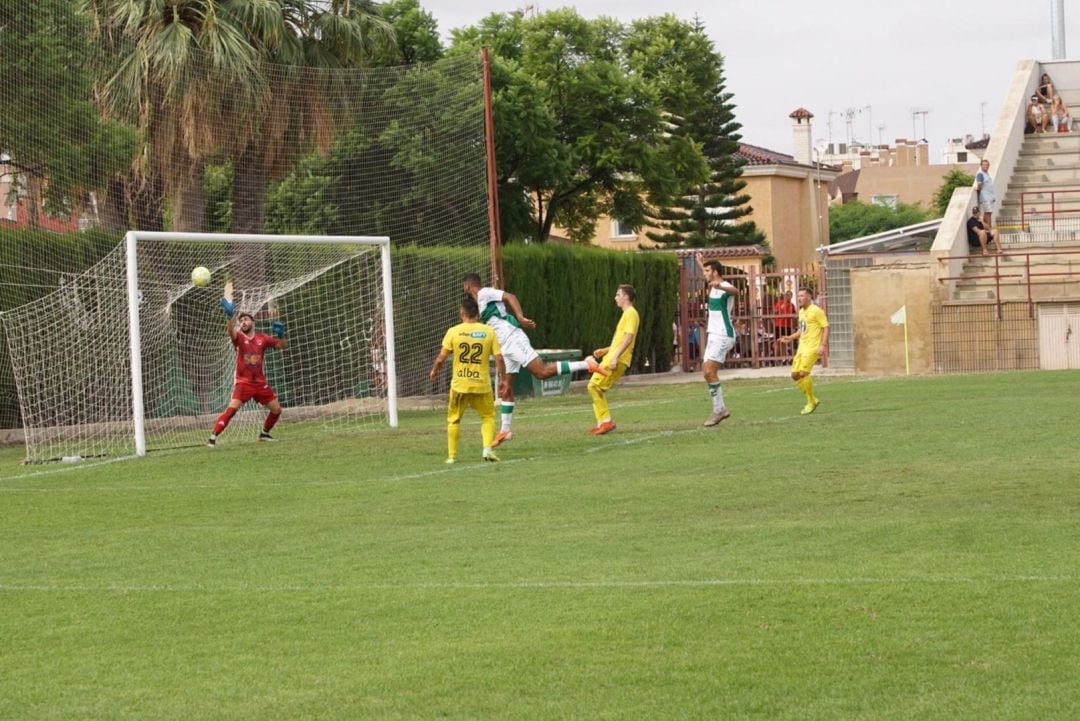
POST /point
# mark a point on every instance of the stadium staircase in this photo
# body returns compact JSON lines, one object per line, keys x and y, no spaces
{"x":1041,"y":261}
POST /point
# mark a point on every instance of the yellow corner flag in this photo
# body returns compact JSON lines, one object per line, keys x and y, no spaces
{"x":900,"y":318}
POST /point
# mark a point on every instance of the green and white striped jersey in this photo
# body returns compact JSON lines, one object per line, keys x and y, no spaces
{"x":721,"y":307}
{"x":493,"y":312}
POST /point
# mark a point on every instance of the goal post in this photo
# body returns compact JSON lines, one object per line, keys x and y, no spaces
{"x":131,"y":348}
{"x":131,"y":240}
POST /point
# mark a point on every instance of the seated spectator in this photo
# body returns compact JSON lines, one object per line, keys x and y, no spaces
{"x":1037,"y":117}
{"x":1045,"y":90}
{"x":977,"y":234}
{"x":1059,"y":115}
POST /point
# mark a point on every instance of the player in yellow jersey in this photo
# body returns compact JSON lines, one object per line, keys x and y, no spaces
{"x":615,"y":358}
{"x":813,"y":337}
{"x":472,"y":344}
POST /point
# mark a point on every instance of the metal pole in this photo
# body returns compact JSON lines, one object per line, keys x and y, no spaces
{"x":1057,"y":29}
{"x":495,"y":232}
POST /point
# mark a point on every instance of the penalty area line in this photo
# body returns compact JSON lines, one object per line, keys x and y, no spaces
{"x":600,"y":584}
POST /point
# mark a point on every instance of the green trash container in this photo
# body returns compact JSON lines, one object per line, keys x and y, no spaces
{"x":526,"y":384}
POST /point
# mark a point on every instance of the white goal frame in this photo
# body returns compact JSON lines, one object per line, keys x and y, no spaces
{"x":131,"y":240}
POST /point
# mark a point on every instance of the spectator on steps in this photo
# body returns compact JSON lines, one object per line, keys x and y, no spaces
{"x":1045,"y":90}
{"x":1059,"y":114}
{"x":1037,"y":116}
{"x":977,"y":234}
{"x":984,"y":188}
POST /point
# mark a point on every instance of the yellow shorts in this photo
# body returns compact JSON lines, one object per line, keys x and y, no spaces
{"x":605,"y":383}
{"x":804,"y":362}
{"x":482,"y":403}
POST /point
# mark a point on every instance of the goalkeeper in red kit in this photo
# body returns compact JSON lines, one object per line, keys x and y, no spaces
{"x":250,"y":379}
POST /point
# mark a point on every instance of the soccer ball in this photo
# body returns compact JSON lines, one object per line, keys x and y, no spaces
{"x":200,"y":276}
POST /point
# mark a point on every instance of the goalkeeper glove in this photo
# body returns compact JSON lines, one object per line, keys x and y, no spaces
{"x":227,"y":306}
{"x":278,"y":329}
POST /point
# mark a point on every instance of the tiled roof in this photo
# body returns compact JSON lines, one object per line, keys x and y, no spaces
{"x":801,"y":113}
{"x":754,"y":155}
{"x":845,"y":183}
{"x":729,"y":251}
{"x":980,"y":144}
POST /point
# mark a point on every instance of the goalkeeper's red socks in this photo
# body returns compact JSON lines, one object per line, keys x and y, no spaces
{"x":223,"y":420}
{"x":271,"y":419}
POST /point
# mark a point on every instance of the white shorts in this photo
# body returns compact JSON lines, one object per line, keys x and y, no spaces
{"x":987,"y":206}
{"x":717,"y":347}
{"x":517,"y":351}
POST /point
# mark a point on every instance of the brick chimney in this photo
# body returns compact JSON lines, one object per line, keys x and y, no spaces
{"x":800,"y":127}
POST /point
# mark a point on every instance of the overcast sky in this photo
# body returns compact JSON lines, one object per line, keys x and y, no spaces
{"x":944,"y":56}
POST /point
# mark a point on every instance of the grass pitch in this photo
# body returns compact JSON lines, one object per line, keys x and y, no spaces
{"x":908,"y":551}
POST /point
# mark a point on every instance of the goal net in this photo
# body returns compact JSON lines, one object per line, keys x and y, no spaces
{"x":130,"y":356}
{"x":106,"y":133}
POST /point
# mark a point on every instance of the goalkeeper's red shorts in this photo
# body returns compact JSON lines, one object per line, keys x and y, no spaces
{"x":261,"y":393}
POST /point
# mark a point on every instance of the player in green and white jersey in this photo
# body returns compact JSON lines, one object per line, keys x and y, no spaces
{"x":502,"y":311}
{"x":721,"y":334}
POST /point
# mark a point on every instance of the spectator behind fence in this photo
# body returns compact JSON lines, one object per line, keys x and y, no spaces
{"x":1059,"y":115}
{"x":785,"y":311}
{"x":1037,"y":116}
{"x":977,"y":234}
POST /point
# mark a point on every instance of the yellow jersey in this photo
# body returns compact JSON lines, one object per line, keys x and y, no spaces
{"x":628,"y":323}
{"x":472,"y":345}
{"x":812,"y":322}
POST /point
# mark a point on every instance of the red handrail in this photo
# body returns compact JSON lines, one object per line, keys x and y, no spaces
{"x":1027,"y":275}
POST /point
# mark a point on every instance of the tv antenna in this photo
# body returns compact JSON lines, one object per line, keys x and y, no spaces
{"x":915,"y":113}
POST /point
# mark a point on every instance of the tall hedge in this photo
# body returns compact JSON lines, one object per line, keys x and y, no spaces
{"x":570,"y":290}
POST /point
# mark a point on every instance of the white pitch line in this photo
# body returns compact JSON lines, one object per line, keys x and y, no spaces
{"x":640,"y":439}
{"x":610,"y":584}
{"x":442,"y":470}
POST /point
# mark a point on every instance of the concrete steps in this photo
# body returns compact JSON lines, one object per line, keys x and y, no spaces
{"x":1047,"y":276}
{"x":1048,"y":163}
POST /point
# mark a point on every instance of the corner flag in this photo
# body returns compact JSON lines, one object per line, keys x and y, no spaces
{"x":900,"y":318}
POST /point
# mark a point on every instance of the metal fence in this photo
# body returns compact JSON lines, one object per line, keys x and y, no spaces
{"x":763,"y":313}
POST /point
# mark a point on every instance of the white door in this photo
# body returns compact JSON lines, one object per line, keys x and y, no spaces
{"x":1059,"y":336}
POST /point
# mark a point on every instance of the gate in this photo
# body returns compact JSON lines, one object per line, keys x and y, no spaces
{"x":762,"y":312}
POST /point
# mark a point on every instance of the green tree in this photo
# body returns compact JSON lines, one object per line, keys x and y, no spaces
{"x":291,"y":111}
{"x":416,"y":33}
{"x":708,"y":204}
{"x":577,"y":135}
{"x":385,"y":173}
{"x":52,"y":130}
{"x":856,"y":220}
{"x":953,"y":179}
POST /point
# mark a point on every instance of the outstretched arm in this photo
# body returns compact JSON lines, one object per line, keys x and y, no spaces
{"x":278,"y":329}
{"x":700,"y":258}
{"x":512,"y":303}
{"x":228,"y":308}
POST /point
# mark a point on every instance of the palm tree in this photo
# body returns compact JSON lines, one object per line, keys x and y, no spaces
{"x":165,"y":63}
{"x":200,"y":77}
